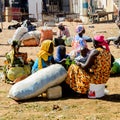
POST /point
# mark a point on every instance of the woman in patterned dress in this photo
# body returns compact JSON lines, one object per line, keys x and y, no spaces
{"x":95,"y":70}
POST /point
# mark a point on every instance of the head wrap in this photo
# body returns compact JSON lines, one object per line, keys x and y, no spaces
{"x":44,"y":52}
{"x":101,"y":41}
{"x":79,"y":28}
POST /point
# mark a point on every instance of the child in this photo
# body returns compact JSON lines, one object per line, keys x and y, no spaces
{"x":61,"y":55}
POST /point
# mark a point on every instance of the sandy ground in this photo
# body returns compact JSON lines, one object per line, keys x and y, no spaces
{"x":107,"y":108}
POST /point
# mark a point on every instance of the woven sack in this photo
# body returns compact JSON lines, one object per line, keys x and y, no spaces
{"x":30,"y":42}
{"x":46,"y":34}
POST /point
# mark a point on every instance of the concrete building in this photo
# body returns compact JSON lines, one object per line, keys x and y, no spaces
{"x":79,"y":7}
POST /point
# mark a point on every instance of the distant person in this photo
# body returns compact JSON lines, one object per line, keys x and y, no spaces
{"x":78,"y":41}
{"x":116,"y":41}
{"x":80,"y":30}
{"x":63,"y":33}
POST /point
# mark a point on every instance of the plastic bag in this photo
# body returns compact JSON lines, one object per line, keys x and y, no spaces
{"x":96,"y":91}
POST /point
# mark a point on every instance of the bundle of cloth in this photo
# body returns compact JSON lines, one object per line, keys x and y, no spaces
{"x":22,"y":33}
{"x":26,"y":23}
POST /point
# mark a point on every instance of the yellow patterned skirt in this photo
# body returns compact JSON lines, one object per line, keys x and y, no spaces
{"x":99,"y":73}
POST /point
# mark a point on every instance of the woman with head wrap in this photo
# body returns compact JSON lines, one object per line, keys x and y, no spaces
{"x":95,"y":70}
{"x":45,"y":56}
{"x":16,"y":64}
{"x":78,"y":42}
{"x":80,"y":30}
{"x":62,"y":35}
{"x":13,"y":56}
{"x":63,"y":31}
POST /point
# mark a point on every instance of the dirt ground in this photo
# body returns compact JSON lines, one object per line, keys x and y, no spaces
{"x":76,"y":108}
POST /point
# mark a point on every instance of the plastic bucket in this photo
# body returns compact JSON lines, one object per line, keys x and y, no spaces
{"x":54,"y":92}
{"x":96,"y":91}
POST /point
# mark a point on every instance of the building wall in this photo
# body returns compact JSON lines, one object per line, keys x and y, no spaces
{"x":109,"y":6}
{"x":75,"y":6}
{"x":35,"y":8}
{"x":66,"y":5}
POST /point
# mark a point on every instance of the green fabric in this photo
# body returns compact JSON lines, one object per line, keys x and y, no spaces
{"x":69,"y":62}
{"x":116,"y":67}
{"x":16,"y":72}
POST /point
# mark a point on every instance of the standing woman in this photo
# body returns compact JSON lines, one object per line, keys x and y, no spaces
{"x":95,"y":70}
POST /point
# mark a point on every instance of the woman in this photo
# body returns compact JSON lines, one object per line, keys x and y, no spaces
{"x":78,"y":41}
{"x":95,"y":70}
{"x":16,"y":64}
{"x":63,"y":31}
{"x":62,"y":34}
{"x":45,"y":56}
{"x":80,"y":30}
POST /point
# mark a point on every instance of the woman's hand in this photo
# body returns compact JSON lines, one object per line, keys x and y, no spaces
{"x":77,"y":63}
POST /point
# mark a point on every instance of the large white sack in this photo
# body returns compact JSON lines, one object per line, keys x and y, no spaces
{"x":38,"y":82}
{"x":20,"y":31}
{"x":31,"y":34}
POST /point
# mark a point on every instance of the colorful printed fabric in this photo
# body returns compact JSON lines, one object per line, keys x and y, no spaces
{"x":99,"y":73}
{"x":81,"y":41}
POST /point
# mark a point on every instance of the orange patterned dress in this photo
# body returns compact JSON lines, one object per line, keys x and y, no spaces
{"x":99,"y":73}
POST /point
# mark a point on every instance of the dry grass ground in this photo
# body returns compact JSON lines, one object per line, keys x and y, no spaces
{"x":77,"y":108}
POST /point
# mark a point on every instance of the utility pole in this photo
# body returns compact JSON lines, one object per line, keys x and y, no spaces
{"x":1,"y":14}
{"x":84,"y":11}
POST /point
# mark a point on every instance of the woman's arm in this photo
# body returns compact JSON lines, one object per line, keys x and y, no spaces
{"x":90,"y":60}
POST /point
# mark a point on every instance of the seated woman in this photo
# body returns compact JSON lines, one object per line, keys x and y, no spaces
{"x":45,"y":56}
{"x":78,"y":41}
{"x":80,"y":30}
{"x":16,"y":64}
{"x":62,"y":34}
{"x":95,"y":70}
